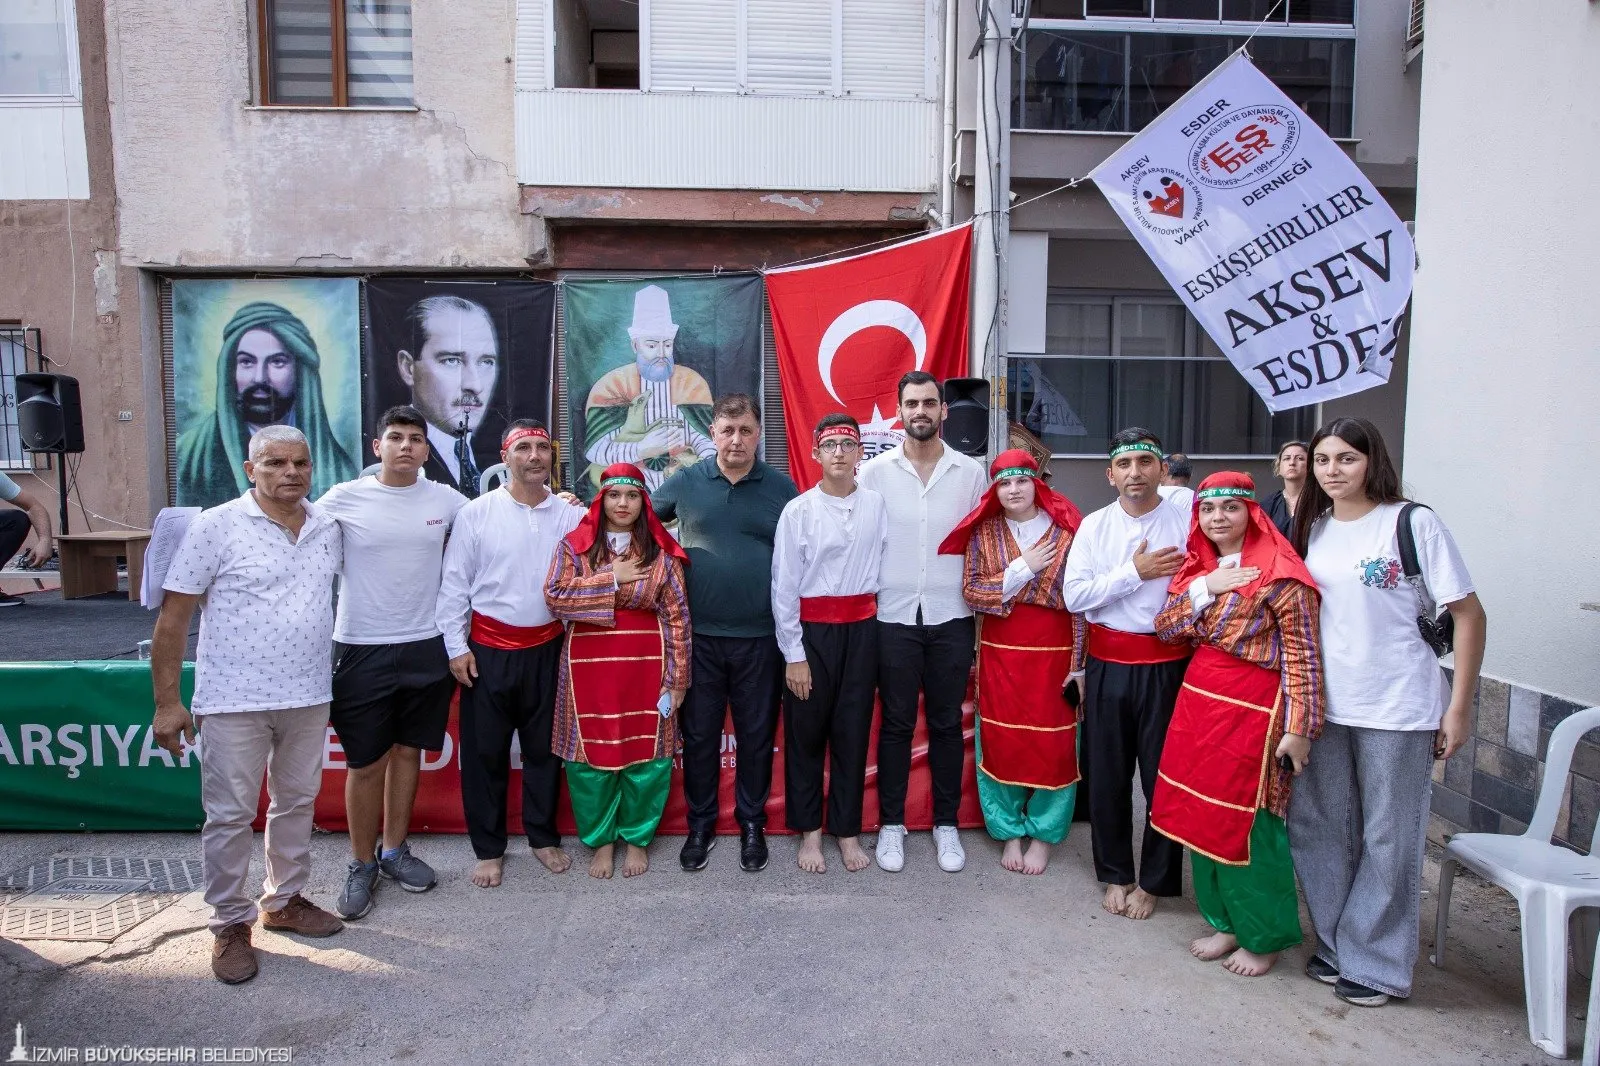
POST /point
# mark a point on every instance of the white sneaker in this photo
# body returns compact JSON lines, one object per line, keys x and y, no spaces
{"x":892,"y":848}
{"x":952,"y":858}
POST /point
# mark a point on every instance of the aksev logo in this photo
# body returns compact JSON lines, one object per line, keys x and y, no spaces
{"x":1244,"y":145}
{"x":1165,"y":201}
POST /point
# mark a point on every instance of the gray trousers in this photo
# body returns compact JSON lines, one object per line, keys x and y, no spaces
{"x":1358,"y":823}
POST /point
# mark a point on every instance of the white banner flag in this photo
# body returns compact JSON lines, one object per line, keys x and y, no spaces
{"x":1271,"y":235}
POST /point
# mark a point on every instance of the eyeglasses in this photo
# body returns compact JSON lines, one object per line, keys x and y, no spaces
{"x":834,"y":447}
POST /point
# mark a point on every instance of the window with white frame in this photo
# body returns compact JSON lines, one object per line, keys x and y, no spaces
{"x":1114,"y":65}
{"x":38,"y":50}
{"x":334,"y":53}
{"x":1140,"y":360}
{"x":19,"y":354}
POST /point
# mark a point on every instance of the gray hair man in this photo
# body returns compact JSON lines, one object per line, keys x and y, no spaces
{"x":265,"y":564}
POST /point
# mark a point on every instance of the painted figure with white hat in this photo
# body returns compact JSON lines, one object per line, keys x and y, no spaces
{"x":652,"y":413}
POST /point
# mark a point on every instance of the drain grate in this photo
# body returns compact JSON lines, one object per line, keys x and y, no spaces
{"x":91,"y":898}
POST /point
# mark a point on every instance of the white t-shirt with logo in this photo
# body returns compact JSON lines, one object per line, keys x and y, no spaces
{"x":393,"y":554}
{"x":1381,"y":674}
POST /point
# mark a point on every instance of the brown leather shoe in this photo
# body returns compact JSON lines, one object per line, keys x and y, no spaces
{"x":233,"y":960}
{"x":301,"y":916}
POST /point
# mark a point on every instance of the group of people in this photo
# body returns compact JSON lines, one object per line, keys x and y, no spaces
{"x":1272,"y":692}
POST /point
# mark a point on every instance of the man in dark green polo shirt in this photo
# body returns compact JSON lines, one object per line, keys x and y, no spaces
{"x":727,"y":514}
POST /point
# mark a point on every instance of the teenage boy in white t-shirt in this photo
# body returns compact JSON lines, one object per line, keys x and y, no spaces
{"x":391,"y":679}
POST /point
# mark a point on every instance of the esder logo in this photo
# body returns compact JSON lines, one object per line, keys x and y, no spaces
{"x":1165,"y":201}
{"x":1244,"y":145}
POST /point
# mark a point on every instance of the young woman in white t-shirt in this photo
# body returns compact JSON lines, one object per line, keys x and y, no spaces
{"x":1359,"y":815}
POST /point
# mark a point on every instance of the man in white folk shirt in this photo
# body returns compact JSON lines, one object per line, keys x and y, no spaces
{"x":505,"y":649}
{"x":265,"y":564}
{"x":926,"y":636}
{"x":826,"y":556}
{"x":1116,"y":577}
{"x":391,"y":673}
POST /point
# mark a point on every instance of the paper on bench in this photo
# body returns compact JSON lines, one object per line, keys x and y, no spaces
{"x":165,"y":536}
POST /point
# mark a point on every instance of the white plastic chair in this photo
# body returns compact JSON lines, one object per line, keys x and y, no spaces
{"x":1591,"y":1028}
{"x":492,"y":477}
{"x":1549,"y":882}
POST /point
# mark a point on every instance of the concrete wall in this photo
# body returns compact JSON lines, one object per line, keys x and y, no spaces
{"x":59,"y":271}
{"x":1506,"y":328}
{"x":208,"y":180}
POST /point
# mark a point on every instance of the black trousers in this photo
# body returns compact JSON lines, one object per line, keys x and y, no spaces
{"x":933,"y":662}
{"x":744,"y":673}
{"x":14,"y":527}
{"x":515,"y":693}
{"x":1125,"y":717}
{"x":835,"y":722}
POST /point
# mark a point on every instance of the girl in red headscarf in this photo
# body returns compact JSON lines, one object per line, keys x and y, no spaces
{"x":1016,"y":543}
{"x":618,"y":583}
{"x":1251,"y":704}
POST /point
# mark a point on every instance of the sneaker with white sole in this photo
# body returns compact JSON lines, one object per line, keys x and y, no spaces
{"x":952,"y":857}
{"x":892,"y":848}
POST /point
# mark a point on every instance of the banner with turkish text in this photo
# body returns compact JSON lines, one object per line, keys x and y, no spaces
{"x":848,"y":329}
{"x":1271,"y":235}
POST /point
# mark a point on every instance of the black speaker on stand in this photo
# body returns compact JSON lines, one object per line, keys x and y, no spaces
{"x":966,"y":424}
{"x":50,"y":419}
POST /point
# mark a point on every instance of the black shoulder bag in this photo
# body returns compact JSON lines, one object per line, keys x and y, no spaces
{"x":1437,"y":629}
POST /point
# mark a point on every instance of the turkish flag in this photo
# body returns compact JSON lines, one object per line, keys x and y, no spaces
{"x":846,"y":331}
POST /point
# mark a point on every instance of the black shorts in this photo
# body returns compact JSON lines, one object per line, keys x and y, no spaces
{"x":388,"y":694}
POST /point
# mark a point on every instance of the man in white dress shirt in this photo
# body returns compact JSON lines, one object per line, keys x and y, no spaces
{"x":926,"y":636}
{"x":265,"y":564}
{"x":825,"y":561}
{"x":1116,"y":577}
{"x":1174,"y":487}
{"x":505,"y":649}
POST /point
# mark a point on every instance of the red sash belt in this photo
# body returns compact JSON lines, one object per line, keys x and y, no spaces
{"x":1132,"y":649}
{"x":838,"y":609}
{"x":1214,"y":763}
{"x":615,"y":685}
{"x":493,"y":633}
{"x":1028,"y":734}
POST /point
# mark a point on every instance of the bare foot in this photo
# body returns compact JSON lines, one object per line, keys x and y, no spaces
{"x":1116,"y":898}
{"x":555,"y":860}
{"x":600,"y":865}
{"x":1036,"y":858}
{"x":810,"y":857}
{"x":488,"y":872}
{"x":1140,"y":905}
{"x":1011,"y":856}
{"x":1249,"y":964}
{"x":636,"y":862}
{"x":1213,"y":947}
{"x":854,"y":858}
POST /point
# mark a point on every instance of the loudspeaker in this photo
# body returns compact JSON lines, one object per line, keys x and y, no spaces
{"x":49,"y":413}
{"x":966,"y":425}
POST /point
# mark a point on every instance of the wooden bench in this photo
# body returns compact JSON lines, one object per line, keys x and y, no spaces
{"x":89,"y":562}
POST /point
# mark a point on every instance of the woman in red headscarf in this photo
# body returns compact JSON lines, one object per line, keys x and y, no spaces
{"x":1016,"y":543}
{"x":618,"y":582}
{"x":1251,"y":704}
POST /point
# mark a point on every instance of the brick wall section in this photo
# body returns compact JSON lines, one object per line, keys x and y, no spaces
{"x":1492,"y":784}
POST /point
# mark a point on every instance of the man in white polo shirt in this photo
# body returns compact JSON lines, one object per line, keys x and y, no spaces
{"x":926,"y":636}
{"x":265,"y":564}
{"x":391,"y":673}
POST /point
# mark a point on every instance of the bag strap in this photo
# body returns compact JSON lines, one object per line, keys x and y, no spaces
{"x":1405,"y":533}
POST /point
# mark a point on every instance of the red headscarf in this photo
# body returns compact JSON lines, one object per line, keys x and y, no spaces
{"x":583,"y":538}
{"x":1264,"y":547}
{"x":1009,"y":464}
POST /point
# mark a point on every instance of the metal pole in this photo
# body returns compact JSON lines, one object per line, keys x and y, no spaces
{"x":992,"y":210}
{"x":61,"y":487}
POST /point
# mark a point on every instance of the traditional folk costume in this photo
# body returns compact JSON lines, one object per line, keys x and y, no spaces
{"x":1256,"y":672}
{"x":1028,"y":643}
{"x":625,"y":645}
{"x":825,"y":561}
{"x":1131,"y":682}
{"x":491,"y":603}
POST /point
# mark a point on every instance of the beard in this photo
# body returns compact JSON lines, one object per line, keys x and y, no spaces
{"x":653,"y":371}
{"x":922,"y":430}
{"x":261,"y":405}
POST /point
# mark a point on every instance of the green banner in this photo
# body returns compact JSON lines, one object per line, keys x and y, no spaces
{"x":77,"y":750}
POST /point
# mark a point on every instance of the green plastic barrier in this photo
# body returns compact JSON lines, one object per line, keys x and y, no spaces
{"x":77,"y":751}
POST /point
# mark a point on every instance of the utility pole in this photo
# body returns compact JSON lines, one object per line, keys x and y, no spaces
{"x":992,"y":210}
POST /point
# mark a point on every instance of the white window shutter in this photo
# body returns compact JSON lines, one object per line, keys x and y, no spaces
{"x":533,"y":50}
{"x":694,"y":44}
{"x":789,"y":46}
{"x":885,"y":47}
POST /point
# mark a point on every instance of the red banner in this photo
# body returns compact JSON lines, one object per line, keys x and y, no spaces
{"x":846,"y":331}
{"x":438,"y":808}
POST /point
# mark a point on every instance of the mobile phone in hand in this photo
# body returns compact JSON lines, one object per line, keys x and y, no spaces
{"x":1070,"y":693}
{"x":1286,"y":764}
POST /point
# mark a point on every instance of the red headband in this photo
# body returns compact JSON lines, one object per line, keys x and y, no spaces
{"x":536,"y":432}
{"x":840,"y":430}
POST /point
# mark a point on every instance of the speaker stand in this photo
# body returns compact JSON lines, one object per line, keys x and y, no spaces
{"x":61,"y":487}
